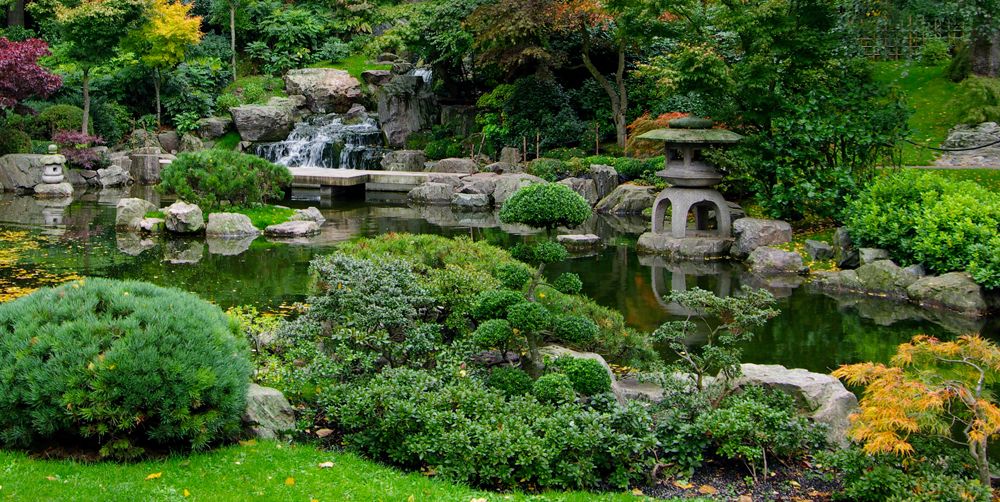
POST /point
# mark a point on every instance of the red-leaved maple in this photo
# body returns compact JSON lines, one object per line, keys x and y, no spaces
{"x":20,"y":75}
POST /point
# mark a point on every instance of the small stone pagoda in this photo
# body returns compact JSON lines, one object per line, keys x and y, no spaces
{"x":692,"y":180}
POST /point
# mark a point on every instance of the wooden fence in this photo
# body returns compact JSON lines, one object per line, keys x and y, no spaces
{"x":903,"y":40}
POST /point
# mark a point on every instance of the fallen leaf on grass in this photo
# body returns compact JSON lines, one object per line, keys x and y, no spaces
{"x":289,"y":481}
{"x":478,"y":500}
{"x":249,"y":442}
{"x":323,"y":433}
{"x":637,"y":492}
{"x":683,"y":485}
{"x":187,"y":493}
{"x":707,"y":490}
{"x":155,"y":475}
{"x":795,"y":483}
{"x":51,"y":478}
{"x":326,"y":465}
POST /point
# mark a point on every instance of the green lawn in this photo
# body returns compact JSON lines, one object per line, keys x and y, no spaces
{"x":989,"y":178}
{"x":353,"y":64}
{"x":250,"y":471}
{"x":930,"y":96}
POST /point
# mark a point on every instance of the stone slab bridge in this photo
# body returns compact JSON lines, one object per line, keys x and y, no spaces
{"x":380,"y":181}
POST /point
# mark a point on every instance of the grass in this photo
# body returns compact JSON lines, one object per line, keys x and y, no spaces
{"x":354,"y":65}
{"x":261,"y":216}
{"x":988,"y":178}
{"x":229,"y":141}
{"x":249,"y":471}
{"x":271,"y":87}
{"x":930,"y":96}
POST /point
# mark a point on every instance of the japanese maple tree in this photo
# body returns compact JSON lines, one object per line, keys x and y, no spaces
{"x":21,"y":77}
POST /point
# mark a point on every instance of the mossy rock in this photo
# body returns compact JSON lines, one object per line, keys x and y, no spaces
{"x":691,"y":123}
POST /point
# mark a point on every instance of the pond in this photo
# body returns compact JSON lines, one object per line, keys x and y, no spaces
{"x":46,"y":243}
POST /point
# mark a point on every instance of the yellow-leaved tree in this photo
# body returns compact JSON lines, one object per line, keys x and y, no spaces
{"x":163,"y":41}
{"x":930,"y":387}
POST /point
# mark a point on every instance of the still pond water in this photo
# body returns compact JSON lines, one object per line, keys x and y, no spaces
{"x":43,"y":243}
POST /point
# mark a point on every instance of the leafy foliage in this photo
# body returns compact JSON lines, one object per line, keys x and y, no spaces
{"x":58,"y":118}
{"x":568,"y":283}
{"x":79,"y":149}
{"x":588,"y":376}
{"x":14,"y":141}
{"x":20,"y":75}
{"x":554,"y":388}
{"x":121,"y":364}
{"x":511,"y":382}
{"x":546,"y":205}
{"x":212,"y":177}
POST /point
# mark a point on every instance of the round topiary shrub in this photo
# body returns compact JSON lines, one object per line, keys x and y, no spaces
{"x":495,"y":333}
{"x":211,"y":177}
{"x":510,"y":381}
{"x":493,"y":304}
{"x":14,"y":141}
{"x":568,"y":283}
{"x":587,"y":375}
{"x":574,"y":329}
{"x":528,"y":316}
{"x":512,"y":276}
{"x":60,"y":118}
{"x":546,"y":205}
{"x":123,"y":365}
{"x":554,"y":388}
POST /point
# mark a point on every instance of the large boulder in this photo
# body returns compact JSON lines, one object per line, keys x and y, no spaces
{"x":431,"y":193}
{"x":230,"y":226}
{"x":884,"y":277}
{"x":481,"y":183}
{"x":268,"y":414}
{"x":839,"y":280}
{"x":510,"y":155}
{"x":376,"y":77}
{"x":455,"y":165}
{"x":752,"y":233}
{"x":262,"y":122}
{"x":184,"y":218}
{"x":871,"y":255}
{"x":819,"y":250}
{"x":21,"y":172}
{"x":190,"y":143}
{"x":404,"y":160}
{"x":579,"y":242}
{"x":309,"y":214}
{"x":169,"y":141}
{"x":768,"y":260}
{"x":129,"y":211}
{"x":507,"y":184}
{"x":406,"y":104}
{"x":112,"y":176}
{"x":953,"y":291}
{"x":471,"y":201}
{"x":627,"y":199}
{"x":821,"y":397}
{"x":605,"y":179}
{"x":586,"y":188}
{"x":292,"y":229}
{"x":686,"y":249}
{"x":53,"y":190}
{"x":844,"y":251}
{"x":326,"y":89}
{"x":214,"y":127}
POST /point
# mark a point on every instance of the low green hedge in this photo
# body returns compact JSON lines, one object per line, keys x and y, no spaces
{"x":211,"y":178}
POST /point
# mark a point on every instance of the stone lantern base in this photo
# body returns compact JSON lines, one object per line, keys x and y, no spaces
{"x":684,"y":248}
{"x":53,"y":190}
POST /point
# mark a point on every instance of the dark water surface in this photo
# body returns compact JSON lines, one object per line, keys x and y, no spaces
{"x":814,"y":331}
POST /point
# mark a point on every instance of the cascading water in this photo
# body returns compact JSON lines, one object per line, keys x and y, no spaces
{"x":334,"y":141}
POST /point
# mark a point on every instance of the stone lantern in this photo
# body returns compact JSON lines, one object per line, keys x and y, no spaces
{"x":692,"y":180}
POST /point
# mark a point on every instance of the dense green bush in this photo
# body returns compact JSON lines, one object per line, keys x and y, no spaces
{"x":528,"y":317}
{"x":444,"y":148}
{"x":626,"y":167}
{"x":494,"y":334}
{"x":546,"y":205}
{"x":934,"y":51}
{"x":589,"y":377}
{"x":14,"y":141}
{"x":210,"y":178}
{"x":58,"y":118}
{"x":512,"y":276}
{"x":924,"y":218}
{"x":575,"y":330}
{"x":122,"y":364}
{"x":548,"y":169}
{"x":494,"y":304}
{"x":960,"y":66}
{"x":509,"y":381}
{"x":554,"y":388}
{"x":568,"y":283}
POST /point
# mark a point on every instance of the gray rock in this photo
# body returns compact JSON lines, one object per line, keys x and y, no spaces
{"x":21,"y":172}
{"x":917,"y":270}
{"x":447,"y":179}
{"x":292,"y":229}
{"x":131,"y":244}
{"x":752,"y":233}
{"x":821,"y":397}
{"x":309,"y":214}
{"x":376,"y":77}
{"x":191,"y":143}
{"x":325,"y":89}
{"x":431,"y":193}
{"x":481,"y":183}
{"x":503,"y":168}
{"x":580,"y":242}
{"x":631,"y":389}
{"x":966,"y":136}
{"x":819,"y":250}
{"x":184,"y":218}
{"x":387,"y":57}
{"x":169,"y":141}
{"x":844,"y":251}
{"x":268,"y":414}
{"x":586,"y":188}
{"x":507,"y":184}
{"x":404,"y":160}
{"x":141,"y":138}
{"x":885,"y":277}
{"x":474,"y":201}
{"x":129,"y":211}
{"x":53,"y":190}
{"x":228,"y":246}
{"x":510,"y":155}
{"x":406,"y":104}
{"x":145,"y":165}
{"x":151,"y":225}
{"x":768,"y":260}
{"x":953,"y":291}
{"x":214,"y":127}
{"x":840,"y":280}
{"x":626,"y":199}
{"x":112,"y":176}
{"x":262,"y":122}
{"x":605,"y":179}
{"x":871,"y":255}
{"x":688,"y":248}
{"x":455,"y":165}
{"x":401,"y":67}
{"x":183,"y":251}
{"x":230,"y":226}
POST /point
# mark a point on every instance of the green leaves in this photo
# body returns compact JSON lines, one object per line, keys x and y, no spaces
{"x":546,"y":205}
{"x":210,"y":177}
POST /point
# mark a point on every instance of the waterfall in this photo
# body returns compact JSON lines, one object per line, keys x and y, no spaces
{"x":335,"y":141}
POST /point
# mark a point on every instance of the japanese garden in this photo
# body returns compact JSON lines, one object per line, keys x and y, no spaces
{"x":481,"y":250}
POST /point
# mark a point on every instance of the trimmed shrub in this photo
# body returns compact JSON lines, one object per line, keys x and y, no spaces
{"x":960,"y":66}
{"x":122,"y":364}
{"x":528,"y":316}
{"x":546,"y":205}
{"x":575,"y":329}
{"x":512,"y":276}
{"x":547,"y":169}
{"x":59,"y":118}
{"x":494,"y":304}
{"x":934,"y":51}
{"x":587,"y":375}
{"x":554,"y":388}
{"x":568,"y":283}
{"x":494,"y":334}
{"x":211,"y":178}
{"x":509,"y":381}
{"x":14,"y":141}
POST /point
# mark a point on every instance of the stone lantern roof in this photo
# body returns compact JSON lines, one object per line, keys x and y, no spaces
{"x":688,"y":135}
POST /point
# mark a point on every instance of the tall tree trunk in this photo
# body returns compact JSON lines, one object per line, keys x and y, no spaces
{"x":986,"y":52}
{"x":618,"y":96}
{"x":156,"y":87}
{"x":86,"y":100}
{"x":232,"y":34}
{"x":15,"y":15}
